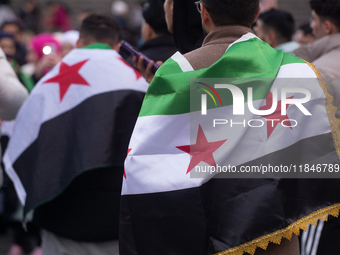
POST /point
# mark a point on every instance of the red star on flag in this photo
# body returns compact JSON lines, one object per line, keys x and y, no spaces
{"x":275,"y":117}
{"x":126,"y":157}
{"x":68,"y":75}
{"x":138,"y":74}
{"x":202,"y":150}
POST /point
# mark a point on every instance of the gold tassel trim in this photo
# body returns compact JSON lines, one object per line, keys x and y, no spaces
{"x":287,"y":232}
{"x":331,"y":111}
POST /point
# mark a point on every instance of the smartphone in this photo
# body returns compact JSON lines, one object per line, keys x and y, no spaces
{"x":126,"y":46}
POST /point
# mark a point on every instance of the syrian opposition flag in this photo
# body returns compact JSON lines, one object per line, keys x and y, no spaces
{"x":79,"y":117}
{"x":167,"y":209}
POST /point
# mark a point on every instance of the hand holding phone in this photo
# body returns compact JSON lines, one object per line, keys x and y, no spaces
{"x":126,"y":46}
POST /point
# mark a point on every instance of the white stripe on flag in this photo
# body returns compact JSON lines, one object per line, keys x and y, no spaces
{"x":156,"y":165}
{"x":243,"y":38}
{"x":296,"y":70}
{"x":319,"y":229}
{"x":182,"y":62}
{"x":15,"y":179}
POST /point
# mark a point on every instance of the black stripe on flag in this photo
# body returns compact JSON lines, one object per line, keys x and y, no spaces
{"x":223,"y":213}
{"x":94,"y":134}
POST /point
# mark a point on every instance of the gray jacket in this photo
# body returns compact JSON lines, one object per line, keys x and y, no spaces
{"x":325,"y":55}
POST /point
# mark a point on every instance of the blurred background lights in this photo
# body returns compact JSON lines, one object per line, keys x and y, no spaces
{"x":47,"y":50}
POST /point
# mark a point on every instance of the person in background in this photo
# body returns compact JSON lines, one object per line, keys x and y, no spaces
{"x":44,"y":52}
{"x":158,"y":42}
{"x":69,"y":41}
{"x":57,"y":17}
{"x":30,"y":15}
{"x":94,"y":94}
{"x":6,"y":12}
{"x":7,"y":43}
{"x":324,"y":53}
{"x":304,"y":35}
{"x":267,"y":5}
{"x":184,"y":23}
{"x":276,"y":27}
{"x":81,"y":16}
{"x":12,"y":95}
{"x":15,"y":28}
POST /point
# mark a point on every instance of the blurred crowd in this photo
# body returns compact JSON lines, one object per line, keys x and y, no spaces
{"x":38,"y":36}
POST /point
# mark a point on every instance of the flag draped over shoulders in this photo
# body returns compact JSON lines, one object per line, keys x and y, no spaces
{"x":78,"y":117}
{"x":166,"y":209}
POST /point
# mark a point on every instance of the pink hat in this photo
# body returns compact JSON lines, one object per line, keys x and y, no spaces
{"x":40,"y":41}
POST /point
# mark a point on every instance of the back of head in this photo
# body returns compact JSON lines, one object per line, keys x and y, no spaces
{"x":98,"y":28}
{"x":232,"y":12}
{"x":153,"y":14}
{"x":281,"y":22}
{"x":327,"y":9}
{"x":306,"y":29}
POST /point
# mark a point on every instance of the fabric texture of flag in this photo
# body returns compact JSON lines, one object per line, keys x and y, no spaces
{"x":79,"y":117}
{"x":165,"y":210}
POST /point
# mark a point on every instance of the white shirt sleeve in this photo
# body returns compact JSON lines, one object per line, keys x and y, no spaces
{"x":12,"y":92}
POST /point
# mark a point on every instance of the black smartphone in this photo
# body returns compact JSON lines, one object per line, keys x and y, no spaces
{"x":126,"y":46}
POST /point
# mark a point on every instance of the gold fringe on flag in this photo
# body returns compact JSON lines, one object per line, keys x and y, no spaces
{"x":287,"y":232}
{"x":331,"y":110}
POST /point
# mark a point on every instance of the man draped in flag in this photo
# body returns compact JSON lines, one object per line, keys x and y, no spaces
{"x":233,"y":110}
{"x":70,"y":140}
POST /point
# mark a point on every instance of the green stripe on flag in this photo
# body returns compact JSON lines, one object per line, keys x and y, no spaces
{"x":169,"y":92}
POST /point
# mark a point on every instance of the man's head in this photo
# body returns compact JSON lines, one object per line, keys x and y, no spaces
{"x":14,"y":28}
{"x":154,"y":23}
{"x":325,"y":17}
{"x":7,"y":44}
{"x":99,"y":29}
{"x":275,"y":27}
{"x":304,"y":35}
{"x":231,"y":12}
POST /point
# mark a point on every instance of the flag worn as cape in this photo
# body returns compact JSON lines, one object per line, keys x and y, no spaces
{"x":78,"y":117}
{"x":165,"y":210}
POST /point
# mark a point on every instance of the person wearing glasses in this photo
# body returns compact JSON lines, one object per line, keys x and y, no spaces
{"x":197,"y":222}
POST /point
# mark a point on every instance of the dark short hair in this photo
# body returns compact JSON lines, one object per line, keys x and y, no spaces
{"x":16,"y":23}
{"x":232,"y":12}
{"x":281,"y":22}
{"x":327,"y":9}
{"x":99,"y":28}
{"x":153,"y":14}
{"x":306,"y":29}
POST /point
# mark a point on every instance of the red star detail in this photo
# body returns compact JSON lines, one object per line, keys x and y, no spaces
{"x":67,"y":76}
{"x":271,"y":125}
{"x":202,"y":150}
{"x":126,"y":157}
{"x":138,"y":74}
